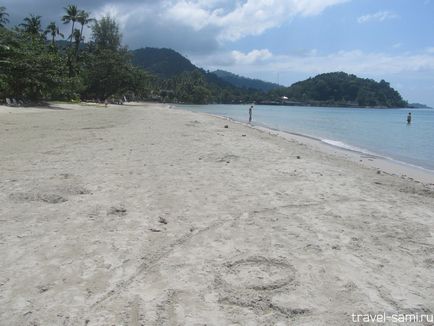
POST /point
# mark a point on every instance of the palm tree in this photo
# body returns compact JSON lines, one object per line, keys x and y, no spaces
{"x":72,"y":14}
{"x":77,"y":39}
{"x":32,"y":25}
{"x":53,"y":30}
{"x":84,"y":19}
{"x":3,"y":16}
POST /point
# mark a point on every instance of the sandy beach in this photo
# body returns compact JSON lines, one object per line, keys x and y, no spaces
{"x":145,"y":215}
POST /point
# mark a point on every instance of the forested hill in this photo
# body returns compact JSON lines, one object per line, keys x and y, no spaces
{"x":243,"y":82}
{"x":329,"y":89}
{"x":164,"y":63}
{"x":342,"y":89}
{"x":167,"y":63}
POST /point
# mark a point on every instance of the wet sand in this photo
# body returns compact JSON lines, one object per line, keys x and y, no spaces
{"x":143,"y":215}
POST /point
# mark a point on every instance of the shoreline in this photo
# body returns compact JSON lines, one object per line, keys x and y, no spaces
{"x":375,"y":161}
{"x":370,"y":160}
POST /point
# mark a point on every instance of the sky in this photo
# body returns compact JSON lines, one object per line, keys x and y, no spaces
{"x":281,"y":41}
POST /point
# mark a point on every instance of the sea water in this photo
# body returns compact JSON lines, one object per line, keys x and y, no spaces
{"x":381,"y":132}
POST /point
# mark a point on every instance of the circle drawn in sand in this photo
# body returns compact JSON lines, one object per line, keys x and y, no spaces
{"x":258,"y":273}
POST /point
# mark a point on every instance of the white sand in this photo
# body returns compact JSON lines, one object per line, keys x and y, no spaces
{"x":149,"y":216}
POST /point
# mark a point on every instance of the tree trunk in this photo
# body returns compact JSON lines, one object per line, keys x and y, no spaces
{"x":78,"y":48}
{"x":72,"y":32}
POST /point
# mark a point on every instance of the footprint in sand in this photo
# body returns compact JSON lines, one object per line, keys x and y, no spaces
{"x":258,"y":273}
{"x":42,"y":197}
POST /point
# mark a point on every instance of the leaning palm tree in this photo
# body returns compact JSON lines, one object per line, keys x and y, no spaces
{"x":72,"y":14}
{"x":3,"y":16}
{"x":84,"y":19}
{"x":53,"y":30}
{"x":32,"y":25}
{"x":77,"y":40}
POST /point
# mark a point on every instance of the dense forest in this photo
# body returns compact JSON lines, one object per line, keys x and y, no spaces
{"x":41,"y":64}
{"x":34,"y":67}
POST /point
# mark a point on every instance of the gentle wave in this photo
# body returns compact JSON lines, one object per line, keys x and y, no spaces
{"x":340,"y":144}
{"x":345,"y":146}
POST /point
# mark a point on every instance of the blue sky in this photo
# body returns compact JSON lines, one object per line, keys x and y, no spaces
{"x":279,"y":40}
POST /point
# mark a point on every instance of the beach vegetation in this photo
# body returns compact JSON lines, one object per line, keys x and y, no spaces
{"x":107,"y":69}
{"x":29,"y":71}
{"x":106,"y":35}
{"x":53,"y":31}
{"x":71,"y":16}
{"x":4,"y":20}
{"x":84,"y":20}
{"x":32,"y":25}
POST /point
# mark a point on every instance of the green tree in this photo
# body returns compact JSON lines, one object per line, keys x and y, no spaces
{"x":72,"y":14}
{"x":31,"y":72}
{"x":84,"y":19}
{"x":54,"y":31}
{"x":109,"y":73}
{"x":77,"y":40}
{"x":105,"y":34}
{"x":3,"y":16}
{"x":4,"y":61}
{"x":32,"y":25}
{"x":108,"y":70}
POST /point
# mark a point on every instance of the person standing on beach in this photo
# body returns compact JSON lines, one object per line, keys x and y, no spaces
{"x":409,"y":118}
{"x":250,"y":113}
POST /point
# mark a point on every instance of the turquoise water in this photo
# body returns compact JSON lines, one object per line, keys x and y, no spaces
{"x":383,"y":132}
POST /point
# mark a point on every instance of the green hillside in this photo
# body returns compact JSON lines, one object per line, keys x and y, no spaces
{"x":342,"y":89}
{"x":243,"y":82}
{"x":164,"y":63}
{"x":182,"y":81}
{"x":178,"y":80}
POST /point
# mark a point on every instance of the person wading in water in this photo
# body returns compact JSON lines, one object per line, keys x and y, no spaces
{"x":250,"y":113}
{"x":409,"y":118}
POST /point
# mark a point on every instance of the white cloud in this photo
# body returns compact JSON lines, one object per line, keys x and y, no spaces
{"x":379,"y":16}
{"x":359,"y":62}
{"x":355,"y":61}
{"x":185,"y":25}
{"x":204,"y":25}
{"x":251,"y":17}
{"x":253,"y":57}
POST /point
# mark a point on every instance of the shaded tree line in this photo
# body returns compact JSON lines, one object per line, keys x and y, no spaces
{"x":34,"y":67}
